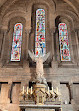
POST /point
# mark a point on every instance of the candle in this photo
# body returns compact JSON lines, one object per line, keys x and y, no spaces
{"x":61,"y":109}
{"x":48,"y":90}
{"x":52,"y":90}
{"x":23,"y":89}
{"x":27,"y":90}
{"x":31,"y":90}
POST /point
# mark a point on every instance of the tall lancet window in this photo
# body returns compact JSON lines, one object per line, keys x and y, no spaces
{"x":64,"y":42}
{"x":17,"y":41}
{"x":40,"y":46}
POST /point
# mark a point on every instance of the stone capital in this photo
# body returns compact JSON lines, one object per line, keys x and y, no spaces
{"x":71,"y":83}
{"x":52,"y":30}
{"x":4,"y":31}
{"x":10,"y":82}
{"x":76,"y":28}
{"x":27,"y":31}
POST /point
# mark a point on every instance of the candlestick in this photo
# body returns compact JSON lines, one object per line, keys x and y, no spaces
{"x":31,"y":90}
{"x":48,"y":90}
{"x":61,"y":109}
{"x":52,"y":90}
{"x":23,"y":89}
{"x":27,"y":90}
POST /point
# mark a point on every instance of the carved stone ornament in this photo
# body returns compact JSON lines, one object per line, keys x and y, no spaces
{"x":39,"y":94}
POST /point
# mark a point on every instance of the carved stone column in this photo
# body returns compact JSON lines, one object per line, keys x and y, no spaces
{"x":10,"y":91}
{"x":27,"y":31}
{"x":71,"y":92}
{"x":60,"y":109}
{"x":54,"y":62}
{"x":1,"y":40}
{"x":77,"y":42}
{"x":3,"y":53}
{"x":53,"y":51}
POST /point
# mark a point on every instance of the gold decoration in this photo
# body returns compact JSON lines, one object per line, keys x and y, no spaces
{"x":39,"y":93}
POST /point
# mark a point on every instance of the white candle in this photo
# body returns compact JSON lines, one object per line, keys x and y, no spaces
{"x":31,"y":90}
{"x":23,"y":89}
{"x":52,"y":90}
{"x":48,"y":90}
{"x":61,"y":109}
{"x":27,"y":90}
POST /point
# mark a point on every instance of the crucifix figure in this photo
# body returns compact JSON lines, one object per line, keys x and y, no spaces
{"x":39,"y":66}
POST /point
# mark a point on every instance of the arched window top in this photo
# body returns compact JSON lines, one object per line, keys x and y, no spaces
{"x":16,"y":44}
{"x":64,"y":42}
{"x":62,"y":26}
{"x":40,"y":47}
{"x":39,"y":12}
{"x":18,"y":26}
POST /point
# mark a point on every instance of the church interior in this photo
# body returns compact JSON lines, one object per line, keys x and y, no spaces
{"x":39,"y":55}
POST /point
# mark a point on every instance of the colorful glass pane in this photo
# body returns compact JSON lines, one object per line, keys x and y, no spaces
{"x":64,"y":42}
{"x":40,"y":33}
{"x":17,"y":41}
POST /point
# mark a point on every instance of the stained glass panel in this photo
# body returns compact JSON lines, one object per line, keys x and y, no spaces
{"x":16,"y":44}
{"x":40,"y":33}
{"x":64,"y":42}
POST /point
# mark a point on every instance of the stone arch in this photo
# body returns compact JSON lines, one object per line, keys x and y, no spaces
{"x":49,"y":3}
{"x":71,"y":16}
{"x":63,"y":18}
{"x":8,"y":25}
{"x":73,"y":6}
{"x":5,"y":6}
{"x":67,"y":18}
{"x":45,"y":6}
{"x":11,"y":15}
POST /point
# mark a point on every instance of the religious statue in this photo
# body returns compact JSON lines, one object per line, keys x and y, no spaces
{"x":39,"y":66}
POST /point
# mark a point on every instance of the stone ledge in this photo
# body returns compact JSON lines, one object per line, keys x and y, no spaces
{"x":39,"y":106}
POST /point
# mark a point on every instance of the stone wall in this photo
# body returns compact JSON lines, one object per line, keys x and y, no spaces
{"x":58,"y":73}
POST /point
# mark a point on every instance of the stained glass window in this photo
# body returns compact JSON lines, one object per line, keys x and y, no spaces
{"x":64,"y":42}
{"x":40,"y":47}
{"x":17,"y":41}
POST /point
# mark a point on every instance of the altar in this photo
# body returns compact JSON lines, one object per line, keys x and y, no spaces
{"x":40,"y":107}
{"x":40,"y":96}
